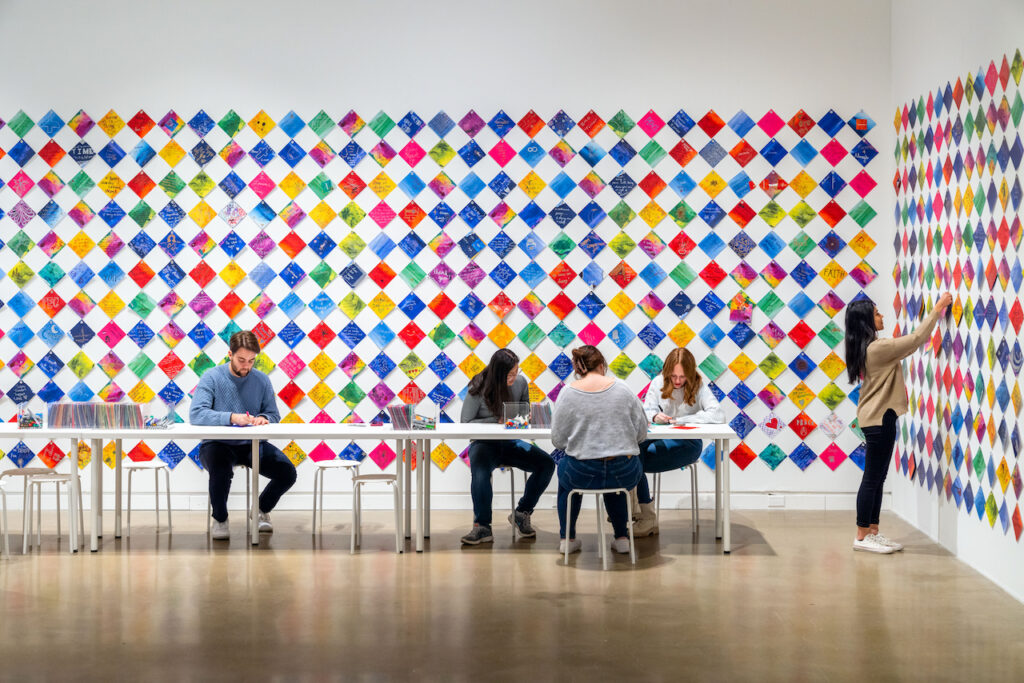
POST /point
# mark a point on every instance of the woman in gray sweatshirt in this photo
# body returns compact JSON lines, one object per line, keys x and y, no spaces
{"x":599,"y":423}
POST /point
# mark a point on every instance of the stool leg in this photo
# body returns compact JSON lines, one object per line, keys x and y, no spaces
{"x":26,"y":517}
{"x":398,"y":517}
{"x":694,"y":510}
{"x":56,"y":494}
{"x":39,"y":514}
{"x":7,"y":530}
{"x":568,"y":526}
{"x":355,"y":517}
{"x":602,"y":551}
{"x":512,"y":499}
{"x":657,"y":493}
{"x":72,"y":533}
{"x":632,"y":545}
{"x":316,"y":483}
{"x":128,"y":522}
{"x":156,"y":496}
{"x":323,"y":476}
{"x":167,"y":483}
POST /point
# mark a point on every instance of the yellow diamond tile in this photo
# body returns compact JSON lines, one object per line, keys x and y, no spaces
{"x":862,"y":244}
{"x":382,"y":185}
{"x":322,"y":365}
{"x":261,"y":124}
{"x":80,"y":365}
{"x":202,"y":184}
{"x":292,"y":450}
{"x":681,"y":334}
{"x":832,"y":365}
{"x":381,"y":304}
{"x":501,"y":335}
{"x":81,"y":244}
{"x":232,"y":274}
{"x":803,"y":184}
{"x":713,"y":184}
{"x":652,"y":214}
{"x":471,"y":366}
{"x":968,"y":199}
{"x":443,"y":455}
{"x":531,"y":185}
{"x":1015,"y":396}
{"x":263,"y":363}
{"x":322,"y":214}
{"x":292,"y":185}
{"x":441,"y":153}
{"x":111,"y":123}
{"x":536,"y":395}
{"x":947,"y":449}
{"x":141,"y":393}
{"x":990,"y":394}
{"x":742,"y":366}
{"x":620,"y":304}
{"x":111,"y":184}
{"x":1003,"y":474}
{"x":351,"y":304}
{"x":202,"y":213}
{"x":172,"y":153}
{"x":833,"y":274}
{"x":321,"y":394}
{"x":801,"y":395}
{"x":292,"y":418}
{"x":532,"y":366}
{"x":111,"y":304}
{"x":958,"y":202}
{"x":352,"y":245}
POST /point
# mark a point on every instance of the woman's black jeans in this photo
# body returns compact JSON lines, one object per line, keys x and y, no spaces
{"x":879,"y":442}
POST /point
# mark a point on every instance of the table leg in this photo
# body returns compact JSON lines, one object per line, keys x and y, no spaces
{"x":718,"y":488}
{"x":400,"y":476}
{"x":97,"y":494}
{"x":76,"y":489}
{"x":118,"y":452}
{"x":426,"y":493}
{"x":255,"y":510}
{"x":407,"y":450}
{"x":422,"y":446}
{"x":727,"y":531}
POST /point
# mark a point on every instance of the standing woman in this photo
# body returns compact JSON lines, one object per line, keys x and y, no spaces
{"x":677,"y":396}
{"x":497,"y":384}
{"x":875,"y":363}
{"x":599,"y":423}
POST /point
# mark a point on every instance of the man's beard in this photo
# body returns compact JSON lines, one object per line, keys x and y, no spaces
{"x":241,"y":372}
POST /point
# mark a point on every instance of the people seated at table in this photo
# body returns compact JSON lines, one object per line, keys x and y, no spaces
{"x":599,"y":423}
{"x":235,"y":393}
{"x":497,"y":384}
{"x":677,"y":396}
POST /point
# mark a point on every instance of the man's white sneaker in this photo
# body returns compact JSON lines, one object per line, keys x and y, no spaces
{"x":889,"y":542}
{"x":871,"y":544}
{"x":620,"y":545}
{"x":220,"y":531}
{"x":574,"y":546}
{"x":265,"y":527}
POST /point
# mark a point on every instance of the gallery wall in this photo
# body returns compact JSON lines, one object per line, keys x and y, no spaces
{"x":389,"y":198}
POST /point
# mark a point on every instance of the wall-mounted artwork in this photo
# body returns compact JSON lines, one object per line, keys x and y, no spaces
{"x":383,"y":256}
{"x":959,"y":195}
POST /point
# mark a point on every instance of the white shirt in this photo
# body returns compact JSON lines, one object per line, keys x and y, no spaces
{"x":705,"y":410}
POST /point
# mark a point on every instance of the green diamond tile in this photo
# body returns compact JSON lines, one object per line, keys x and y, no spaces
{"x":412,"y":274}
{"x":531,"y":335}
{"x":172,"y":184}
{"x":863,"y":213}
{"x":321,"y":124}
{"x":652,"y":153}
{"x":142,"y":214}
{"x":712,"y":367}
{"x":802,"y":245}
{"x":560,"y":335}
{"x":683,"y":275}
{"x":231,"y":123}
{"x":322,"y":274}
{"x":621,"y":123}
{"x":771,"y":304}
{"x":142,"y":304}
{"x":351,"y":394}
{"x":682,"y":214}
{"x":20,"y":124}
{"x":562,"y":245}
{"x":142,"y":364}
{"x":81,"y":184}
{"x":381,"y":124}
{"x":622,"y":214}
{"x":21,"y":244}
{"x":442,"y":335}
{"x":321,"y":185}
{"x":831,"y":334}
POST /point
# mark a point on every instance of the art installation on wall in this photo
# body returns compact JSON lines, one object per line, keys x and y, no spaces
{"x":958,"y":154}
{"x":384,"y":258}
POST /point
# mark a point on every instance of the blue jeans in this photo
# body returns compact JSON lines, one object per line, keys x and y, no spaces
{"x":665,"y":455}
{"x":621,"y":472}
{"x":219,"y":459}
{"x":486,"y":456}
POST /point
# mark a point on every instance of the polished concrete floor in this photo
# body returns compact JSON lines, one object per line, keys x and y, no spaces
{"x":792,"y":603}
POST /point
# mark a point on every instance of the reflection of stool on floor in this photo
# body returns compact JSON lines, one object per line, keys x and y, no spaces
{"x":34,"y":484}
{"x":3,"y":520}
{"x":694,"y":513}
{"x":602,"y":549}
{"x":156,"y":466}
{"x":358,"y":480}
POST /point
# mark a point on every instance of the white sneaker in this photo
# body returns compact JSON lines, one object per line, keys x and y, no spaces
{"x":574,"y":546}
{"x":889,"y":542}
{"x":263,"y":522}
{"x":220,"y":531}
{"x":620,"y":545}
{"x":871,"y":544}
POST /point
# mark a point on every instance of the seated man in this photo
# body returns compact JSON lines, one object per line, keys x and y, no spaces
{"x":236,"y":394}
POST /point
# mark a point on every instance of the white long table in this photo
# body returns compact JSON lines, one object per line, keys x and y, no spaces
{"x":720,"y":434}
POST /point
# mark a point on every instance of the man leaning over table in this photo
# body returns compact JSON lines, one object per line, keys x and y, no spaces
{"x":237,"y":394}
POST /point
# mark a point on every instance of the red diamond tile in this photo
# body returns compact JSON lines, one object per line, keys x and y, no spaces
{"x":682,"y":245}
{"x":561,"y":305}
{"x":141,"y":123}
{"x":263,"y":333}
{"x":832,"y":213}
{"x":141,"y":184}
{"x":141,"y":453}
{"x":441,"y":305}
{"x":51,"y":303}
{"x":623,"y":274}
{"x":352,"y":185}
{"x":801,"y":123}
{"x":742,"y":214}
{"x":711,"y":123}
{"x":773,"y":184}
{"x":1016,"y":315}
{"x":803,"y":425}
{"x":141,"y":273}
{"x":743,"y":153}
{"x":713,"y":274}
{"x":291,"y":394}
{"x":591,"y":124}
{"x":382,"y":274}
{"x":51,"y":153}
{"x":742,"y":455}
{"x":1018,"y":525}
{"x":683,"y":153}
{"x":563,"y":274}
{"x":801,"y":334}
{"x":50,"y":454}
{"x":411,"y":334}
{"x":171,"y":365}
{"x":652,"y":184}
{"x":411,"y":393}
{"x":531,"y":124}
{"x":321,"y":335}
{"x":231,"y":305}
{"x":501,"y":305}
{"x":202,"y":274}
{"x":412,"y":214}
{"x":292,"y":244}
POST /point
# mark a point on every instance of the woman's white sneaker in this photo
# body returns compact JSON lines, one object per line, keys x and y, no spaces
{"x":871,"y":544}
{"x":889,"y":542}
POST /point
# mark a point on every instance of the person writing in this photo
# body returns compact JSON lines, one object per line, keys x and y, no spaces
{"x":677,"y":396}
{"x":599,"y":423}
{"x":237,"y":394}
{"x":875,"y":363}
{"x":497,"y":384}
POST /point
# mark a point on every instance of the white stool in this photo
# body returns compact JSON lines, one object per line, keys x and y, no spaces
{"x":318,"y":485}
{"x":156,"y":466}
{"x":602,"y":551}
{"x":358,"y":480}
{"x":209,"y":506}
{"x":694,"y":513}
{"x":7,"y":536}
{"x":34,"y":484}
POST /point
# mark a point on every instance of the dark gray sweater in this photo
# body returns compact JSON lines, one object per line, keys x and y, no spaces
{"x":475,"y":410}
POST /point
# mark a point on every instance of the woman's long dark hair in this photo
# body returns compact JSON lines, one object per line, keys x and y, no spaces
{"x":491,"y":383}
{"x":860,"y":331}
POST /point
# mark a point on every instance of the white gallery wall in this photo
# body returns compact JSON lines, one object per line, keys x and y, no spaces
{"x":368,"y":56}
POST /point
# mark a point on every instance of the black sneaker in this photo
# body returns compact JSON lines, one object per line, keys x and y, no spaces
{"x":478,"y":535}
{"x":521,"y":521}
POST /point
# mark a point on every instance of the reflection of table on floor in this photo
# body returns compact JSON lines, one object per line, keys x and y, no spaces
{"x":273,"y":432}
{"x":720,"y":434}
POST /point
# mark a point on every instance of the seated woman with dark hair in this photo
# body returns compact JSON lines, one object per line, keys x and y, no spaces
{"x":497,"y":384}
{"x":677,"y":396}
{"x":599,"y":423}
